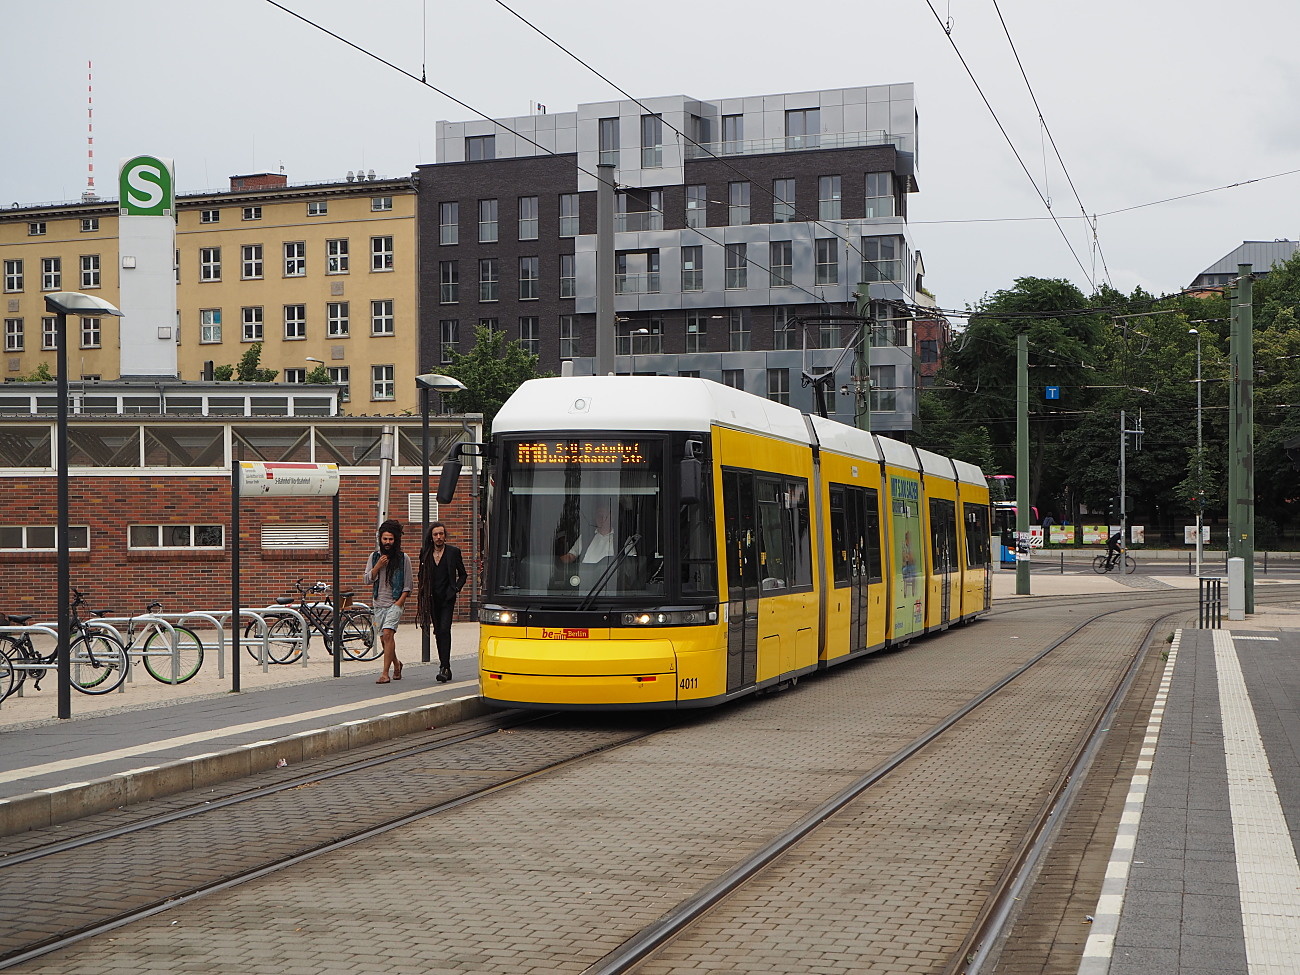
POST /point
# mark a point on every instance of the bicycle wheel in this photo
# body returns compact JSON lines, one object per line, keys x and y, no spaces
{"x":99,"y":663}
{"x":1130,"y":564}
{"x":6,"y":671}
{"x":359,"y":641}
{"x":282,"y":631}
{"x":1099,"y":564}
{"x":189,"y":650}
{"x":19,"y":651}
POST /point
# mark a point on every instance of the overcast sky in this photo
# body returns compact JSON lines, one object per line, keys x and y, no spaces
{"x":1146,"y":100}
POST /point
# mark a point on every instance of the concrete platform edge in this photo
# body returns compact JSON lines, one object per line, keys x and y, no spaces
{"x":47,"y":807}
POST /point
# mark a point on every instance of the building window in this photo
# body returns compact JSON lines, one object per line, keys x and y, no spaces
{"x":295,"y":322}
{"x":737,"y":267}
{"x":449,"y":338}
{"x":479,"y":148}
{"x":89,"y":224}
{"x":14,"y":275}
{"x":176,"y":536}
{"x":90,"y":336}
{"x":13,"y":335}
{"x":569,"y":222}
{"x":697,"y":332}
{"x":652,"y":142}
{"x":252,"y":213}
{"x":609,"y":141}
{"x":828,"y":336}
{"x":381,"y":317}
{"x":828,"y":197}
{"x":336,"y":256}
{"x":51,"y":274}
{"x":782,"y":200}
{"x":488,"y":280}
{"x":90,"y":270}
{"x":382,"y":383}
{"x":209,"y":263}
{"x":737,"y":204}
{"x":491,"y":324}
{"x":42,"y":538}
{"x":735,"y":378}
{"x":317,"y":208}
{"x":381,"y":253}
{"x":693,"y":268}
{"x":530,"y":336}
{"x":252,"y":315}
{"x":36,"y":229}
{"x":783,"y":333}
{"x":884,"y":392}
{"x":49,"y":334}
{"x":929,"y":350}
{"x":568,"y":336}
{"x":880,"y":195}
{"x":880,"y":259}
{"x":295,"y":259}
{"x":733,"y":133}
{"x":697,"y":206}
{"x":341,"y":376}
{"x":568,"y":276}
{"x":781,"y":265}
{"x":337,"y":319}
{"x":209,"y":216}
{"x":380,"y":203}
{"x":739,"y":329}
{"x":295,"y":375}
{"x":209,"y":325}
{"x":449,"y":223}
{"x":251,"y":261}
{"x":448,"y":282}
{"x":778,"y":386}
{"x":528,"y":218}
{"x":527,"y":279}
{"x":803,"y":128}
{"x":487,"y":221}
{"x":828,"y":261}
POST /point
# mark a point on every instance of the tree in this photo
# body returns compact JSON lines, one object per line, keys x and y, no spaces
{"x":250,"y":370}
{"x":493,"y":369}
{"x":41,"y":374}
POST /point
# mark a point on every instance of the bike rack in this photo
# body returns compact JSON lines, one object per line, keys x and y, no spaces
{"x":110,"y":623}
{"x":220,"y":619}
{"x":52,"y":631}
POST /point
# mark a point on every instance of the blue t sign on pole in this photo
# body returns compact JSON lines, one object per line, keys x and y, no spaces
{"x":1053,"y":392}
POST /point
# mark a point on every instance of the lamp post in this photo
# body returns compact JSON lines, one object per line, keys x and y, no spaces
{"x":442,"y":384}
{"x":1200,"y":477}
{"x":634,"y":334}
{"x":63,"y":304}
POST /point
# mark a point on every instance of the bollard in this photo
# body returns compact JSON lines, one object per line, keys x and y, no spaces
{"x":1236,"y":588}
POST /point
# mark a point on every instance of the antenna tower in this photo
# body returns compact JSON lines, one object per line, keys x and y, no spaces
{"x":90,"y":196}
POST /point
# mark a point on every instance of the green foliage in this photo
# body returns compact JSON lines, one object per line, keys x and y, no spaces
{"x":223,"y":374}
{"x":250,"y":370}
{"x":493,"y":369}
{"x":41,"y":374}
{"x":318,"y":375}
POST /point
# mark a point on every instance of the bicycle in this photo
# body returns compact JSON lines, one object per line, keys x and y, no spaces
{"x":286,"y":640}
{"x":98,"y":660}
{"x":1108,"y":563}
{"x":156,"y":647}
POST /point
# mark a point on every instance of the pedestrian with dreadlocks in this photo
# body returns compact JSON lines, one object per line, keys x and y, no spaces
{"x":388,"y":570}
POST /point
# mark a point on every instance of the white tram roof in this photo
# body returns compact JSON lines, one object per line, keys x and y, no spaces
{"x":643,"y":403}
{"x":677,"y":403}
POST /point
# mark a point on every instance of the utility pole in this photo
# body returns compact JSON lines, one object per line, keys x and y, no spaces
{"x":1124,"y":431}
{"x":1241,"y":433}
{"x":605,"y":316}
{"x":1022,"y":461}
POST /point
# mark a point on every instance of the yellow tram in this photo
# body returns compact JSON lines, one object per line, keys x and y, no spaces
{"x":665,"y":542}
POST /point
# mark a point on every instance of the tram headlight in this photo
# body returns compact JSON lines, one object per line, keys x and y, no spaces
{"x":498,"y":616}
{"x":677,"y":617}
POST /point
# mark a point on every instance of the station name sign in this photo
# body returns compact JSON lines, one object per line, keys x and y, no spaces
{"x":259,"y":480}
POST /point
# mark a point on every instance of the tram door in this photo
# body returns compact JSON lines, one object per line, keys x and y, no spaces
{"x":742,"y":578}
{"x":943,"y":542}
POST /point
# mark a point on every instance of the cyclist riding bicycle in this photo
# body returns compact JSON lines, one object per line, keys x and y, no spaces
{"x":1113,"y":550}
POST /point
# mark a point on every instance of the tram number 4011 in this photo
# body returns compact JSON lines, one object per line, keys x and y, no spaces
{"x":688,"y":683}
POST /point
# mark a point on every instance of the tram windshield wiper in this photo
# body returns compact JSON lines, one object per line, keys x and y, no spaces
{"x":629,"y":546}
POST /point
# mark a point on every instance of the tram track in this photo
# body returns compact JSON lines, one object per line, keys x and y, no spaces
{"x":464,"y":769}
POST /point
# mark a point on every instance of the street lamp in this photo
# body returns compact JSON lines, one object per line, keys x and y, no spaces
{"x":634,"y":333}
{"x":63,"y":304}
{"x":442,"y":384}
{"x":1200,"y":477}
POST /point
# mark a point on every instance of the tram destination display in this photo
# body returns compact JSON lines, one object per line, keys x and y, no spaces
{"x":595,"y":453}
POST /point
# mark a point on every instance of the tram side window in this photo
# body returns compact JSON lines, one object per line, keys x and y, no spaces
{"x":796,"y":511}
{"x":696,"y":542}
{"x":840,"y":537}
{"x":978,"y":552}
{"x":773,"y":536}
{"x":943,"y":535}
{"x":741,"y":537}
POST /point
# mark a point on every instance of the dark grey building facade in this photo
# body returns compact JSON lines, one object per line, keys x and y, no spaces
{"x":737,"y":222}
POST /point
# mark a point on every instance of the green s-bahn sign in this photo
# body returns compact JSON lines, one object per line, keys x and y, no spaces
{"x":145,"y":187}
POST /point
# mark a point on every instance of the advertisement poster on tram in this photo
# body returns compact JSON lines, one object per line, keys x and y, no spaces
{"x":905,"y":516}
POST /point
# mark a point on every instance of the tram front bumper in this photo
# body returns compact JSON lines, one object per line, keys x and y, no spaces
{"x":578,"y":672}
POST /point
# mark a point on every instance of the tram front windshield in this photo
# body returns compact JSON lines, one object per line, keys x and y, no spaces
{"x":581,"y":519}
